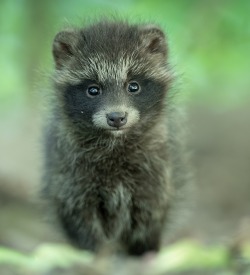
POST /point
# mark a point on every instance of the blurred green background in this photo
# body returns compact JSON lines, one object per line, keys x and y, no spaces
{"x":209,"y":45}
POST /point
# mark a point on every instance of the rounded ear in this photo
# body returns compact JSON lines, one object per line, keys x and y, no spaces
{"x":153,"y":39}
{"x":63,"y":47}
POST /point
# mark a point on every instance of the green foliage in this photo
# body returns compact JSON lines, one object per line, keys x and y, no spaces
{"x":188,"y":255}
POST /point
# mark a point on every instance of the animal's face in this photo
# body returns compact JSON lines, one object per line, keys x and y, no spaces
{"x":112,"y":77}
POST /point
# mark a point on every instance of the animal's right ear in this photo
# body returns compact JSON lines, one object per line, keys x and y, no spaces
{"x":63,"y":47}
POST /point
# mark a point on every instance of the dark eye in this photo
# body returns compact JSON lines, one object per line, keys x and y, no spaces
{"x":93,"y":90}
{"x":133,"y":87}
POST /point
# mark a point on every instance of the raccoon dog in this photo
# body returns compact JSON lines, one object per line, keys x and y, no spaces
{"x":110,"y":148}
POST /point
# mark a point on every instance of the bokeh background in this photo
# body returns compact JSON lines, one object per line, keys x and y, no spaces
{"x":209,"y":45}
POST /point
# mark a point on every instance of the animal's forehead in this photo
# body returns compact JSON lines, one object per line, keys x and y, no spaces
{"x":119,"y":66}
{"x":110,"y":69}
{"x":102,"y":69}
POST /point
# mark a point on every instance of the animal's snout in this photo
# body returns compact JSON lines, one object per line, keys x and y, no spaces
{"x":117,"y":119}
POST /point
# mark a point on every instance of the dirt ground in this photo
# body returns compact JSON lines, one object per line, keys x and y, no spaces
{"x":220,"y":141}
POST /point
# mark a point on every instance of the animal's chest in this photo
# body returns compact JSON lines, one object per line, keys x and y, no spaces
{"x":113,"y":209}
{"x":113,"y":186}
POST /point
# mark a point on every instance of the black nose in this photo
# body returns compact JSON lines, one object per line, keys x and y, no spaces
{"x":116,"y":119}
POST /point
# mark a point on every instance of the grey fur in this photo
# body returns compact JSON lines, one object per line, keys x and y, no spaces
{"x":107,"y":188}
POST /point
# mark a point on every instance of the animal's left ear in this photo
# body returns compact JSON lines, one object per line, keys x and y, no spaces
{"x":153,"y":40}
